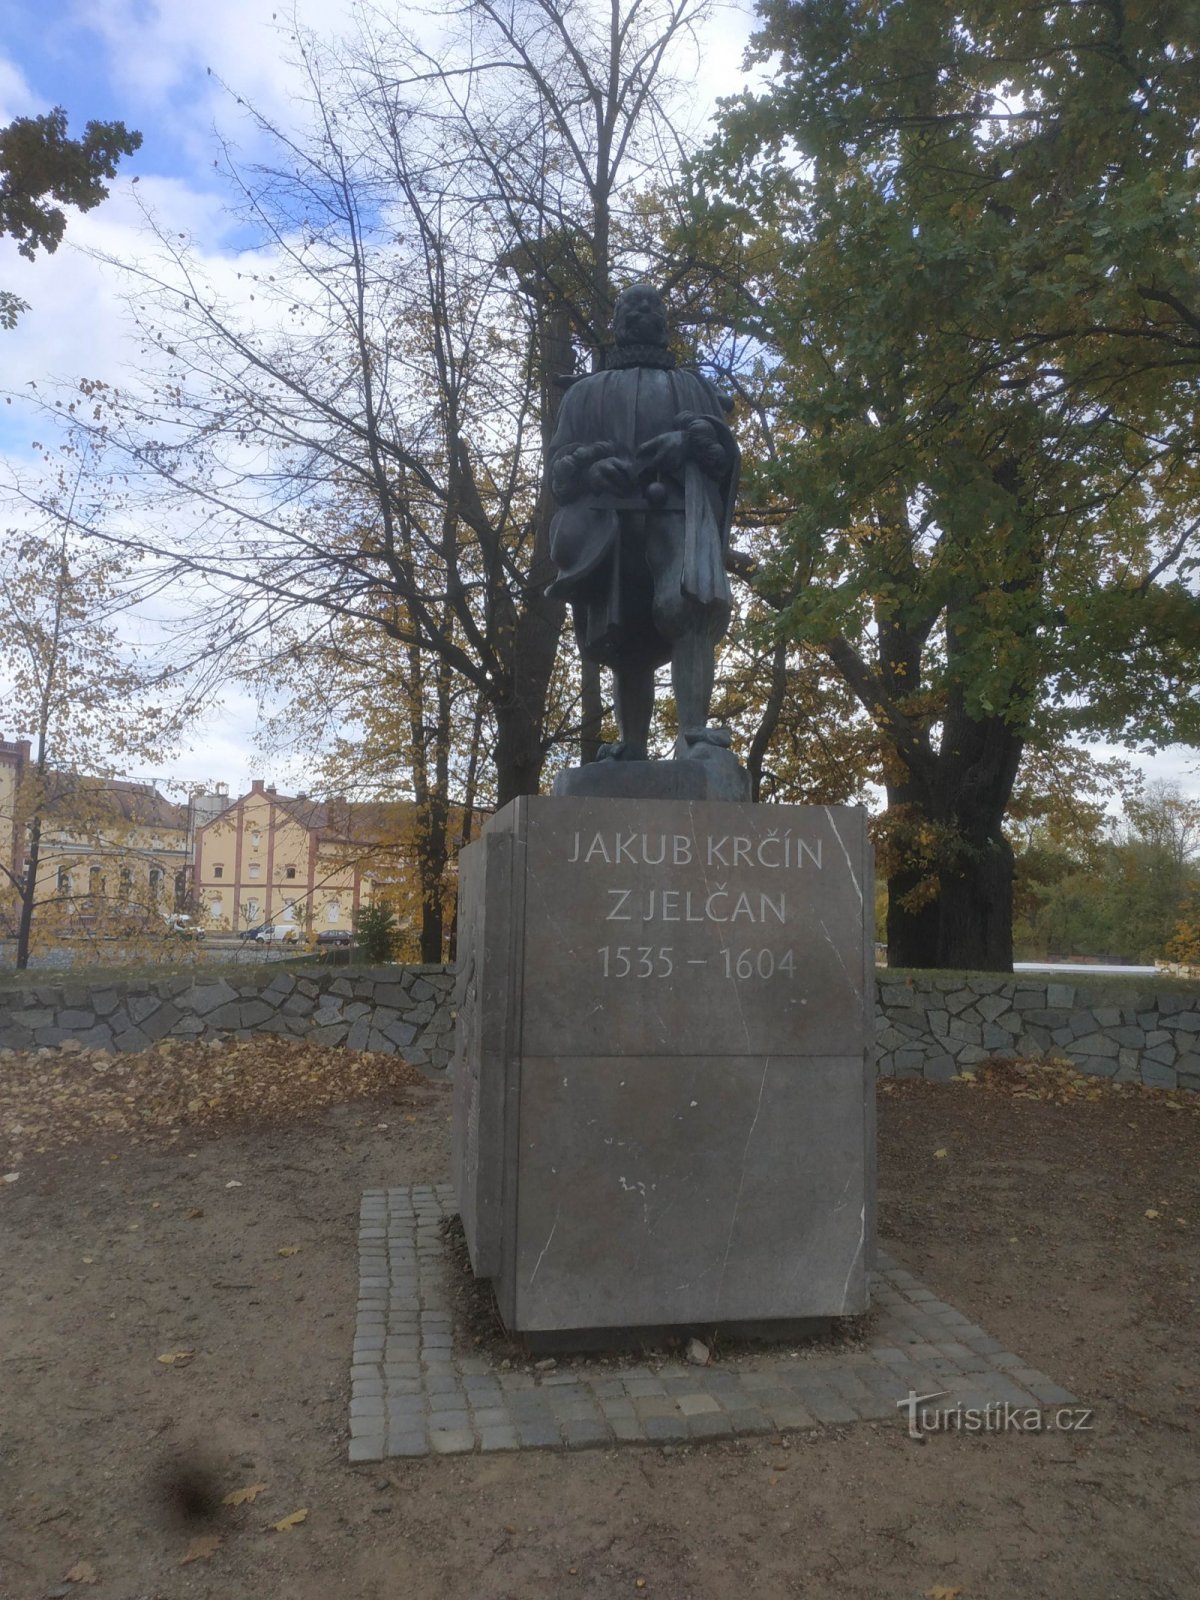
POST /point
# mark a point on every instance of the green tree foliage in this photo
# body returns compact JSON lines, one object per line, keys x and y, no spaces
{"x":377,"y":931}
{"x":39,"y":164}
{"x":967,"y":240}
{"x":1120,"y":892}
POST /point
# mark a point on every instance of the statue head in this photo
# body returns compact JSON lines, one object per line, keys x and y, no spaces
{"x":640,"y":317}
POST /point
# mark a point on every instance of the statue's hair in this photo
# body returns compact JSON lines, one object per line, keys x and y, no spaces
{"x":630,"y":287}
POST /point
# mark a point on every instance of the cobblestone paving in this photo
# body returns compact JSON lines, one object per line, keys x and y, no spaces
{"x":411,"y":1395}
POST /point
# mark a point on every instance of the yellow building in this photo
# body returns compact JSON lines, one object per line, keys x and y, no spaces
{"x":292,"y":861}
{"x":110,"y":849}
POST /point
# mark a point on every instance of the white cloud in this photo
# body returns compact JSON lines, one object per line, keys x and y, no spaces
{"x":246,"y":43}
{"x":17,"y":99}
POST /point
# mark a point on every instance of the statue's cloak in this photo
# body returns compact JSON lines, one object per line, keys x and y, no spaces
{"x":594,"y":538}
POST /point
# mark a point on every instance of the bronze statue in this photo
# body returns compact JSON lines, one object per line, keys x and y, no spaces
{"x":645,"y":471}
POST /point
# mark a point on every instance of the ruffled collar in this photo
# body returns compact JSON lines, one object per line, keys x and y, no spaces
{"x":637,"y":355}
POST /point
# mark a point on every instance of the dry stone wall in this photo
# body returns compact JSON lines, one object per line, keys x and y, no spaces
{"x":937,"y":1026}
{"x":404,"y":1009}
{"x":926,"y":1026}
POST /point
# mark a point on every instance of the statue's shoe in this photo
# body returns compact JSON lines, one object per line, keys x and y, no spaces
{"x":622,"y":750}
{"x":688,"y":738}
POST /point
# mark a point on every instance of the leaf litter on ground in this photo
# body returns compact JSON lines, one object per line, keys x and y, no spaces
{"x":50,"y":1099}
{"x":1056,"y":1080}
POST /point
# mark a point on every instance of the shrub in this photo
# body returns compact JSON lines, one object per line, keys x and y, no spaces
{"x":377,"y":932}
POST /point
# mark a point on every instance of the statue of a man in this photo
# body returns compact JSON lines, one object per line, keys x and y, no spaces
{"x":645,"y":470}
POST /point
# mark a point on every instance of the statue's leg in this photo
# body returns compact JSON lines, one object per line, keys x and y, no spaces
{"x":692,"y":672}
{"x":633,"y":702}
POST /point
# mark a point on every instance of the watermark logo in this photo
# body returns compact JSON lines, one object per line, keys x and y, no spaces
{"x":998,"y":1416}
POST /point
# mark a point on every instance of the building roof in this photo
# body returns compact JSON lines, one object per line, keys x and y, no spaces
{"x":133,"y":802}
{"x":360,"y":822}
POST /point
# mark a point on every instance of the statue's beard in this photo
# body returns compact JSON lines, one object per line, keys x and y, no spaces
{"x":638,"y":355}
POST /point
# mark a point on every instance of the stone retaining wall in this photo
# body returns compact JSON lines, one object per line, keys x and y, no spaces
{"x":405,"y":1009}
{"x":937,"y":1026}
{"x":927,"y":1026}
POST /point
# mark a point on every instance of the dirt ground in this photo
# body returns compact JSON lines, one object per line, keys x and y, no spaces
{"x":1067,"y":1229}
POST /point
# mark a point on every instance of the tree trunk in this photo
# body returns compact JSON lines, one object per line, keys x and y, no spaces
{"x":521,"y":713}
{"x":592,"y":711}
{"x":975,"y":909}
{"x":28,"y":892}
{"x":966,"y":925}
{"x":772,"y":711}
{"x":912,"y":930}
{"x":519,"y":751}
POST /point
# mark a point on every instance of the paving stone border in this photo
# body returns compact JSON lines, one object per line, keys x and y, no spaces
{"x":927,"y":1025}
{"x":413,"y":1395}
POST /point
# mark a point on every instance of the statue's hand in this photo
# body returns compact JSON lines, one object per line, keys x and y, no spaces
{"x":611,"y":475}
{"x":569,"y":474}
{"x":705,"y":447}
{"x":666,"y":452}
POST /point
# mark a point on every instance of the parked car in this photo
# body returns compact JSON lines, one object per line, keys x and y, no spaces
{"x":251,"y":933}
{"x":334,"y":936}
{"x":277,"y":933}
{"x":181,"y":926}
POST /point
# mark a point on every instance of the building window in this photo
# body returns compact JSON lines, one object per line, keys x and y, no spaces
{"x":333,"y":911}
{"x":126,"y":884}
{"x":180,"y":889}
{"x":255,"y":838}
{"x":216,"y":907}
{"x":156,"y":878}
{"x":64,"y":881}
{"x":251,"y":909}
{"x":95,"y":882}
{"x":254,"y":869}
{"x":218,"y":872}
{"x":289,"y":872}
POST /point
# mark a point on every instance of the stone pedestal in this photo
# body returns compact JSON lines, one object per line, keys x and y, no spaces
{"x":664,"y":1077}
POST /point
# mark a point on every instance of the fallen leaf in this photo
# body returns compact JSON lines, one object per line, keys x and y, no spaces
{"x":201,"y":1548}
{"x":244,"y":1497}
{"x":177,"y":1358}
{"x":640,"y":1584}
{"x":11,"y":1177}
{"x":195,"y":1213}
{"x":941,"y":1592}
{"x":288,"y":1250}
{"x":938,"y":1154}
{"x":1152,"y":1213}
{"x":285,"y":1523}
{"x":82,"y":1572}
{"x":233,"y":1184}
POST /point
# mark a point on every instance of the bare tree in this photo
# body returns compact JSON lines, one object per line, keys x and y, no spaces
{"x":355,"y":425}
{"x":80,"y":698}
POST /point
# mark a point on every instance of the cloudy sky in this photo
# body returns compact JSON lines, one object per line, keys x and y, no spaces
{"x":159,"y":65}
